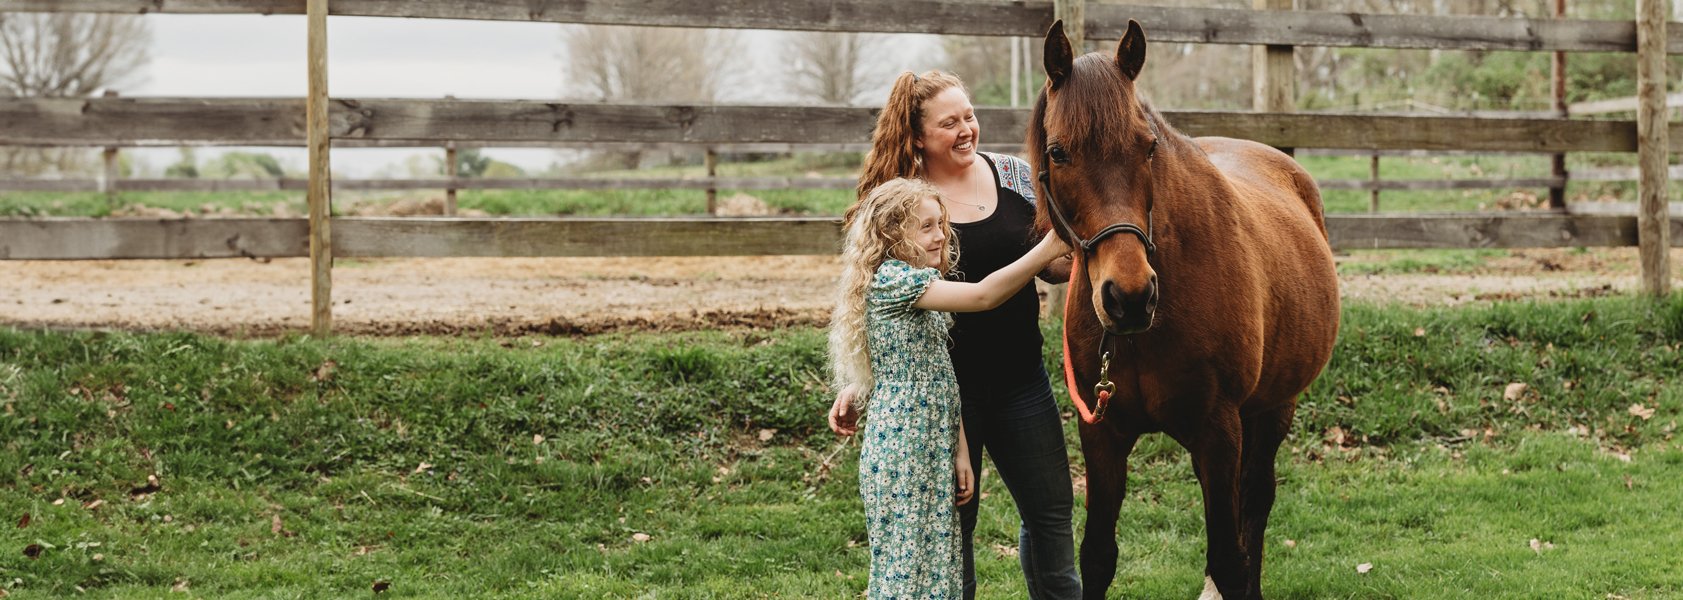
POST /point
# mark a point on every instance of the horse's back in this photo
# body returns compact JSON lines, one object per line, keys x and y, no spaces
{"x":1267,"y":176}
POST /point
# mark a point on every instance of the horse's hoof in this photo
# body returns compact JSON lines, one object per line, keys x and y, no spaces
{"x":1210,"y":592}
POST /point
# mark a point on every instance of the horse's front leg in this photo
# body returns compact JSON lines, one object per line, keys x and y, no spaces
{"x":1215,"y":457}
{"x":1105,"y":450}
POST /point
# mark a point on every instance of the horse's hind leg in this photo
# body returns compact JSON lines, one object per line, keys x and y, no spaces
{"x":1263,"y":434}
{"x":1106,"y":452}
{"x":1215,"y":455}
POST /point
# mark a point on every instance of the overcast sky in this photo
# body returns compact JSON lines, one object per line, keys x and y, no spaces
{"x":254,"y":55}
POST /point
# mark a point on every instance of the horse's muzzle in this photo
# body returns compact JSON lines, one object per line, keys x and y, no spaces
{"x":1128,"y":311}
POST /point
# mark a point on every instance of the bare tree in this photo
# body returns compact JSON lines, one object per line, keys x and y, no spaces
{"x":647,"y":64}
{"x":65,"y":56}
{"x":834,"y":68}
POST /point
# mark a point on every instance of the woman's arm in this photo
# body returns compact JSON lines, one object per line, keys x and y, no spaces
{"x":993,"y":290}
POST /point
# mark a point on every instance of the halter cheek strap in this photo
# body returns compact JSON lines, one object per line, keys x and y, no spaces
{"x":1102,"y":390}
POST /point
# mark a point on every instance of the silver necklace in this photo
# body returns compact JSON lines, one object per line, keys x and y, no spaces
{"x":977,"y":190}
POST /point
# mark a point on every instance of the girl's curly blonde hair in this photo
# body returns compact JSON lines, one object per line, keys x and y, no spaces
{"x":881,"y":228}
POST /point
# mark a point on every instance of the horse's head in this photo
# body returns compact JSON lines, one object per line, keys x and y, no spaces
{"x":1092,"y":141}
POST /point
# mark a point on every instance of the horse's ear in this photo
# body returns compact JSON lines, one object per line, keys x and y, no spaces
{"x":1059,"y":57}
{"x":1130,"y":54}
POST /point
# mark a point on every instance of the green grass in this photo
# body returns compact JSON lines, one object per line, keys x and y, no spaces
{"x":415,"y":462}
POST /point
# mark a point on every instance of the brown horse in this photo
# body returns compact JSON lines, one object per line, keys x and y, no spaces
{"x":1203,"y":300}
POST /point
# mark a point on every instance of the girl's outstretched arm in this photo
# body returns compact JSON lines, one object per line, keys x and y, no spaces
{"x":993,"y":290}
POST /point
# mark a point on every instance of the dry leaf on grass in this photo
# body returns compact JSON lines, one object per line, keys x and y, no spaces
{"x":23,"y":522}
{"x":423,"y":467}
{"x":324,"y":373}
{"x":1645,"y":413}
{"x":277,"y":528}
{"x":640,"y":537}
{"x":766,"y":434}
{"x":1364,"y":567}
{"x":1515,"y":391}
{"x":180,"y":586}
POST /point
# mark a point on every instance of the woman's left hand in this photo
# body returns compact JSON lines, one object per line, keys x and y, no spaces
{"x":966,"y":482}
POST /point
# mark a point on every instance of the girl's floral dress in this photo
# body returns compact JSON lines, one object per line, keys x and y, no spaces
{"x":910,"y":440}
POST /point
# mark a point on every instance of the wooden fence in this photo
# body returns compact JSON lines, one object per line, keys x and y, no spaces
{"x":111,"y":122}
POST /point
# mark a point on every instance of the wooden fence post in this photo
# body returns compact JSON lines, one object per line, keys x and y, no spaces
{"x":1074,"y":15}
{"x":712,"y":160}
{"x":1653,"y":225}
{"x":1273,"y":75}
{"x":320,"y":188}
{"x":1373,"y":197}
{"x":109,"y":183}
{"x":1557,"y":192}
{"x":450,"y":171}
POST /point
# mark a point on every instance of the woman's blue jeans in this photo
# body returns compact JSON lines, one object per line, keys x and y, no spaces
{"x":1024,"y":437}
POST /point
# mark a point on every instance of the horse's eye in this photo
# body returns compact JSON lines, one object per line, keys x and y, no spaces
{"x":1058,"y":154}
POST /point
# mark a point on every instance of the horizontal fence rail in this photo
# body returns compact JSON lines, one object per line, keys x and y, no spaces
{"x":279,"y":122}
{"x":963,"y":17}
{"x":366,"y":237}
{"x":547,"y":183}
{"x":701,"y":183}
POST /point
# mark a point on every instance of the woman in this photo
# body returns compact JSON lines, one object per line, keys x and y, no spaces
{"x":928,"y":130}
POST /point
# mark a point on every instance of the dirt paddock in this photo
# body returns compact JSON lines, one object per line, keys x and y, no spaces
{"x":576,"y":296}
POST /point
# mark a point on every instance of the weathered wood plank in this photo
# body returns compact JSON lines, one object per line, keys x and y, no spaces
{"x":1613,"y":105}
{"x":1673,"y":172}
{"x":1315,"y":28}
{"x":1461,"y":230}
{"x":367,"y":237}
{"x":728,"y":183}
{"x":1435,"y":184}
{"x":49,"y":185}
{"x":99,"y":239}
{"x":260,"y":122}
{"x":960,"y":17}
{"x":102,"y":239}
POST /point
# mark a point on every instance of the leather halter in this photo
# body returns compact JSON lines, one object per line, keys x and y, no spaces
{"x":1088,"y":244}
{"x":1102,"y":390}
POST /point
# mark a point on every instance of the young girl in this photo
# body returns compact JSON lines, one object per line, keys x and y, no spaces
{"x":888,"y":339}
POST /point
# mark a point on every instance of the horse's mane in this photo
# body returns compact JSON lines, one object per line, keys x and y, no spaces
{"x":1095,"y":82}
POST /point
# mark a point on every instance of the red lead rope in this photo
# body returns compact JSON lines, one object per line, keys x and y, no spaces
{"x":1087,"y":416}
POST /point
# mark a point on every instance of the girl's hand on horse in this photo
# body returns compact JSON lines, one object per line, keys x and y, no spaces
{"x":844,"y":420}
{"x":1055,"y":245}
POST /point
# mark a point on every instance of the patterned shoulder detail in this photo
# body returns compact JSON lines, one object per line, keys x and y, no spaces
{"x":1015,"y":174}
{"x":898,"y":285}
